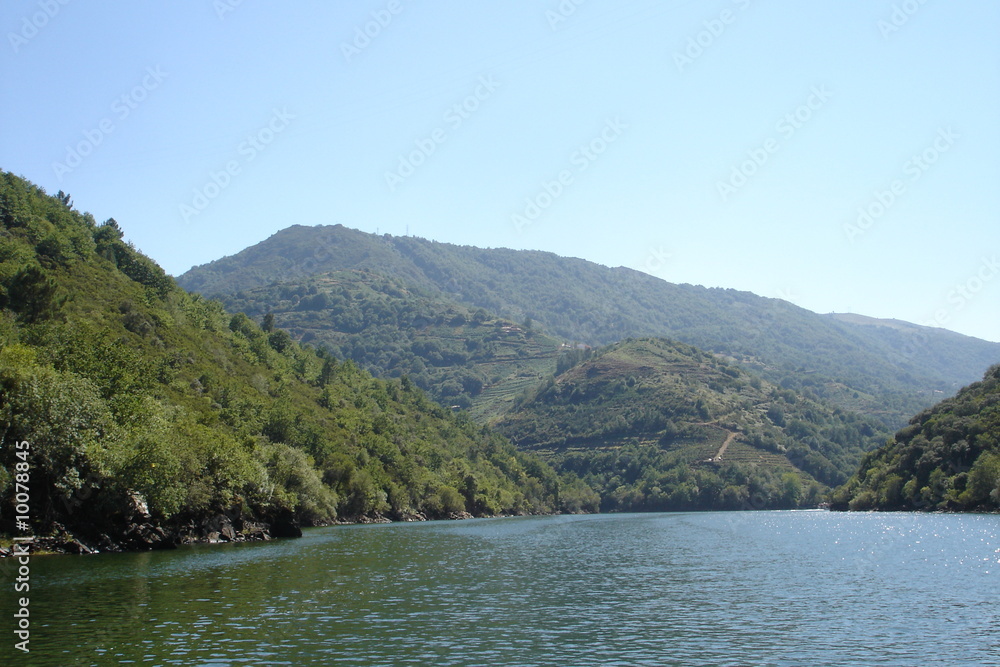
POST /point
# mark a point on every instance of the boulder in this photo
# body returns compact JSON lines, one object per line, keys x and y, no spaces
{"x":77,"y":547}
{"x":146,"y":537}
{"x":285,"y":525}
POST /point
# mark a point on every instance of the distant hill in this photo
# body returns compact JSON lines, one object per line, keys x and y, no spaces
{"x":149,"y":415}
{"x":462,"y":357}
{"x":888,"y":372}
{"x":947,"y":458}
{"x":659,"y":425}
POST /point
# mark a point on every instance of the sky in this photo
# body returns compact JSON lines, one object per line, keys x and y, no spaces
{"x":844,"y":156}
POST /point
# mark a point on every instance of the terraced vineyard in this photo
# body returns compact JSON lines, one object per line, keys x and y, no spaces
{"x":644,"y":416}
{"x":498,"y":398}
{"x":744,"y":454}
{"x":463,"y":357}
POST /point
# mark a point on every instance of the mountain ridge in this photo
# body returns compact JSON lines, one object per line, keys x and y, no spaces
{"x":878,"y":370}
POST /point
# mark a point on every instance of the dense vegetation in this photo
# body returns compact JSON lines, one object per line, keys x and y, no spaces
{"x":948,"y":458}
{"x":133,"y":393}
{"x":652,"y":424}
{"x":139,"y":398}
{"x":460,"y":356}
{"x":887,"y":369}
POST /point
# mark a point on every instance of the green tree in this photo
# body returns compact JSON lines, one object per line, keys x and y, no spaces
{"x":33,"y":294}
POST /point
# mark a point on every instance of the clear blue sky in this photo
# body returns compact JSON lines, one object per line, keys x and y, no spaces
{"x":725,"y":143}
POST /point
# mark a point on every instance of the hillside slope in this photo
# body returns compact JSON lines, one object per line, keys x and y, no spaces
{"x":152,"y":415}
{"x":659,"y":425}
{"x":948,"y":458}
{"x":462,"y":357}
{"x":856,"y":365}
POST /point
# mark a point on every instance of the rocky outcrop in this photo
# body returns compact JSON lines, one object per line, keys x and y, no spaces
{"x":285,"y":525}
{"x":141,"y":532}
{"x":145,"y":537}
{"x":137,"y":530}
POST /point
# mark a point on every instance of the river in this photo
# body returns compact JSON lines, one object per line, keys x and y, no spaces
{"x":750,"y":588}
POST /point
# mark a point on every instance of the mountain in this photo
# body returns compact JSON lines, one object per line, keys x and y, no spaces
{"x":653,"y":424}
{"x":947,"y":458}
{"x":889,"y":372}
{"x":141,"y":414}
{"x":462,"y":357}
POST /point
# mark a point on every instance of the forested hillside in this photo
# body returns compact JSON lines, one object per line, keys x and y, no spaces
{"x":887,"y":372}
{"x":154,"y":415}
{"x":947,"y":458}
{"x":659,"y":425}
{"x":462,"y":357}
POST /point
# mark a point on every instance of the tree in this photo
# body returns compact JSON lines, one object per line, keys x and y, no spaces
{"x":983,"y":485}
{"x":32,"y":294}
{"x":111,"y":228}
{"x":66,"y":422}
{"x":791,"y":490}
{"x":279,"y":340}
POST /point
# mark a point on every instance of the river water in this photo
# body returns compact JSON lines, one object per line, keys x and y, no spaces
{"x":750,"y":588}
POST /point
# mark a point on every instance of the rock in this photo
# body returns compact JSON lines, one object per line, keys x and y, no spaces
{"x":253,"y":532}
{"x":228,"y":533}
{"x":106,"y":544}
{"x":77,"y":547}
{"x":285,"y":525}
{"x":459,"y":515}
{"x":50,"y":544}
{"x":146,"y":537}
{"x":139,"y":506}
{"x":217,"y":528}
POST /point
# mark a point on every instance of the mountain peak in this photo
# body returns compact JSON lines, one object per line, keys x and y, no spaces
{"x":856,"y":364}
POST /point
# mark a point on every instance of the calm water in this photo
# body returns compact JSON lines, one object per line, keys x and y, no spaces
{"x":767,"y":588}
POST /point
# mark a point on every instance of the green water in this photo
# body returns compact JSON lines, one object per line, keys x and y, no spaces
{"x":767,"y":588}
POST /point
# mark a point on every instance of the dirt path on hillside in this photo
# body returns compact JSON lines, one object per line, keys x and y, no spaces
{"x":725,"y":446}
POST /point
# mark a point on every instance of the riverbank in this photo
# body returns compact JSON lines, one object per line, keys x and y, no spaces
{"x":222,"y":528}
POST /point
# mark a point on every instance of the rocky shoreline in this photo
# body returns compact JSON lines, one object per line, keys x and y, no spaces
{"x":142,"y":534}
